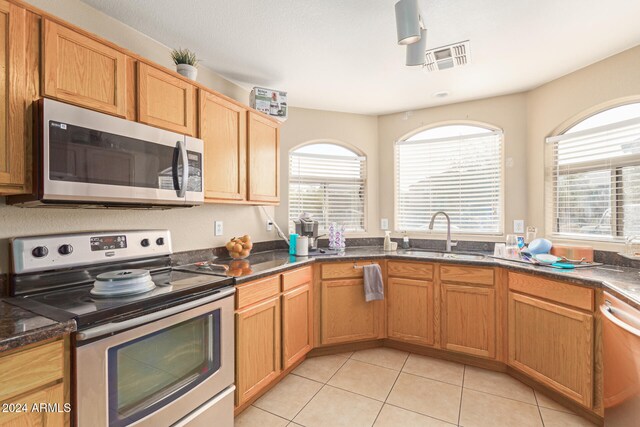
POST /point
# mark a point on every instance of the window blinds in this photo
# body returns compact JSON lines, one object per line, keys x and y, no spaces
{"x":459,"y":175}
{"x":329,"y":187}
{"x":595,"y":181}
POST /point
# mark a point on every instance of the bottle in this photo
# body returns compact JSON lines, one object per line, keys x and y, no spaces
{"x":293,"y":239}
{"x":405,"y":241}
{"x":387,"y":241}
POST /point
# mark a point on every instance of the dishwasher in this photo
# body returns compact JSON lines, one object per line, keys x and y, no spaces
{"x":621,"y":346}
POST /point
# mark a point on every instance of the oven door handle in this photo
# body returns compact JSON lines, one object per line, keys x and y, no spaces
{"x":110,"y":328}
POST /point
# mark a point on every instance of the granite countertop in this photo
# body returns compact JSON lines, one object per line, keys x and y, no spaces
{"x":19,"y":327}
{"x":622,"y":282}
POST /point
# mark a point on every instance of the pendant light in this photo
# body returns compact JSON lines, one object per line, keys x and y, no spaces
{"x":408,"y":21}
{"x":416,"y":51}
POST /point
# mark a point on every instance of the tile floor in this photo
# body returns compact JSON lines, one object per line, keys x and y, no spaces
{"x":383,"y":387}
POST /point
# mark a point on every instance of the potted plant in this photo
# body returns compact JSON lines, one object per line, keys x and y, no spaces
{"x":186,"y":63}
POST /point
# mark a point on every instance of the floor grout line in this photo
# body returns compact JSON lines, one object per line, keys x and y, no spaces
{"x":464,"y":371}
{"x":539,"y":411}
{"x":503,"y":397}
{"x":420,"y":413}
{"x":391,"y":389}
{"x":269,"y":412}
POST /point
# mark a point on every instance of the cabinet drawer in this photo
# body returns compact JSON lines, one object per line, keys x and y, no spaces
{"x":343,"y":270}
{"x":575,"y":296}
{"x":250,"y":293}
{"x":466,"y":274}
{"x":411,"y":270}
{"x":292,"y":279}
{"x":30,"y":369}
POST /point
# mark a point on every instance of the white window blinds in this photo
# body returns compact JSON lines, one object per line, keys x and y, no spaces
{"x":461,"y":175}
{"x":329,"y":187}
{"x":595,"y":181}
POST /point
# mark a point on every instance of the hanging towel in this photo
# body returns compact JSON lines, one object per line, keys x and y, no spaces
{"x":373,"y":286}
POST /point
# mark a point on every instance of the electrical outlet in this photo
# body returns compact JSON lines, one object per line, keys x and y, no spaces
{"x":218,"y":228}
{"x":384,"y":224}
{"x":269,"y":225}
{"x":518,"y":226}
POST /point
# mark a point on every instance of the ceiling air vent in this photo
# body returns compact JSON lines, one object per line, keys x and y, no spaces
{"x":445,"y":57}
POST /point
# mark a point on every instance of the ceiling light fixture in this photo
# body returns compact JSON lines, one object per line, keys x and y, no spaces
{"x":415,"y":51}
{"x":408,"y":22}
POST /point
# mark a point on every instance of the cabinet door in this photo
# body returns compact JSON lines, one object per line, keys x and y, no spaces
{"x":19,"y":86}
{"x":410,"y":310}
{"x":165,"y":101}
{"x":257,"y":347}
{"x":553,"y":344}
{"x":80,"y":70}
{"x":345,"y":315}
{"x":469,"y":319}
{"x":51,"y":395}
{"x":223,"y":128}
{"x":297,"y":324}
{"x":263,"y":159}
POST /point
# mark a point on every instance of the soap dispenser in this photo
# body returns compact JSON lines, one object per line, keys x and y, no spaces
{"x":387,"y":241}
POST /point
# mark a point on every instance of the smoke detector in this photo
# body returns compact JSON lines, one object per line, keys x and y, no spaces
{"x":450,"y":56}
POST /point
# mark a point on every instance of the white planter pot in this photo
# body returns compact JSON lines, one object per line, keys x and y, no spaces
{"x":189,"y":71}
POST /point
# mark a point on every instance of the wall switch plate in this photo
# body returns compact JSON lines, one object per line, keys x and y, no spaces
{"x":384,"y":224}
{"x":518,"y":226}
{"x":269,"y":225}
{"x":218,"y":228}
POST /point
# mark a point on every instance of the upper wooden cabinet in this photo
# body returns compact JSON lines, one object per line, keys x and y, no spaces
{"x":263,"y":159}
{"x":82,"y":71}
{"x":19,"y":86}
{"x":223,"y":128}
{"x":165,"y":101}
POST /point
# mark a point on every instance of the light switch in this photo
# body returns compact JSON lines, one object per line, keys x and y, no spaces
{"x":384,"y":224}
{"x":218,"y":228}
{"x":518,"y":226}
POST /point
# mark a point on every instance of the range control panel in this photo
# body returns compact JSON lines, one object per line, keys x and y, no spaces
{"x":50,"y":252}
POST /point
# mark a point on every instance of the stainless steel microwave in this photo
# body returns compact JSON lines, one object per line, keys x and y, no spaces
{"x":85,"y":158}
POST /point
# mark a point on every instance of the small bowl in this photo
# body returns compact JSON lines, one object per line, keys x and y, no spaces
{"x":546,"y":258}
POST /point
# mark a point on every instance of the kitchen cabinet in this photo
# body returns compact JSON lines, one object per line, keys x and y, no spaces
{"x":223,"y":128}
{"x":297,"y":324}
{"x":468,"y":310}
{"x":81,"y":70}
{"x":19,"y":86}
{"x":410,"y":310}
{"x":258,"y":350}
{"x":165,"y":100}
{"x":263,"y":159}
{"x":37,"y":374}
{"x":553,"y":344}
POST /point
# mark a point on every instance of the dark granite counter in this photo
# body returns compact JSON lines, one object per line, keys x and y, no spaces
{"x":19,"y":327}
{"x":623,"y":282}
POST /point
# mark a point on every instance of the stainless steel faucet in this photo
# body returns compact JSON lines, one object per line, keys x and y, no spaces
{"x":433,"y":219}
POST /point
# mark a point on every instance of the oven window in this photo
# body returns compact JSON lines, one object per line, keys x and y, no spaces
{"x":155,"y":369}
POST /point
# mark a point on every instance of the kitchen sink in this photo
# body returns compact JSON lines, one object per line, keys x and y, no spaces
{"x":447,"y":255}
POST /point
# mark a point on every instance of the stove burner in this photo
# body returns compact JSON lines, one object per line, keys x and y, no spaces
{"x":122,"y":283}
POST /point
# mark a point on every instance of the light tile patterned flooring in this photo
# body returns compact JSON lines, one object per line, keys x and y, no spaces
{"x":384,"y":387}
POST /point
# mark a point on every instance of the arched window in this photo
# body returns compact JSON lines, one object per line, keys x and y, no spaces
{"x":327,"y":181}
{"x":451,"y":168}
{"x":595,"y":176}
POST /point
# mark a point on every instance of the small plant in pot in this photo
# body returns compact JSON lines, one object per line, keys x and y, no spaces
{"x":186,"y":63}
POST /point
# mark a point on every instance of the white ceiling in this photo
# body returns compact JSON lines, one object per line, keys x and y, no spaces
{"x":342,"y":54}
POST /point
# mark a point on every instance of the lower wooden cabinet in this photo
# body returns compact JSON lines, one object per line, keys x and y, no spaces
{"x":345,"y":315}
{"x":258,"y":351}
{"x":469,"y":319}
{"x":53,"y":395}
{"x":552,"y":344}
{"x":297,"y":324}
{"x":410,"y":310}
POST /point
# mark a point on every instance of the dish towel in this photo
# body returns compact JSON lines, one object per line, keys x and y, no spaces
{"x":373,"y":286}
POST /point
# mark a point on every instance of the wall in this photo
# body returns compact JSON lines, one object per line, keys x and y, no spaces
{"x":556,"y":105}
{"x":191,"y":228}
{"x":506,"y":112}
{"x":360,"y":131}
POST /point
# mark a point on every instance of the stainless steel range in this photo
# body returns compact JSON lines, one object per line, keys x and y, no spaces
{"x":154,"y":346}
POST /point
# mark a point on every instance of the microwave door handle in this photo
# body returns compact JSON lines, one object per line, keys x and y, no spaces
{"x":180,"y":159}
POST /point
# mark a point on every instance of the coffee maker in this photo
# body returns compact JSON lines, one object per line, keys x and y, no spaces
{"x":307,"y":226}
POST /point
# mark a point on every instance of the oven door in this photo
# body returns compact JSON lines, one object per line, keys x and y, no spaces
{"x":159,"y":372}
{"x":90,"y":157}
